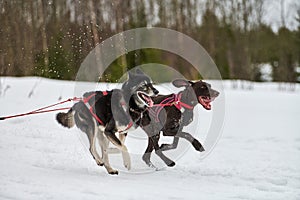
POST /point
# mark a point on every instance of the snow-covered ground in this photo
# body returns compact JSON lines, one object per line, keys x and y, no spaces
{"x":257,"y":156}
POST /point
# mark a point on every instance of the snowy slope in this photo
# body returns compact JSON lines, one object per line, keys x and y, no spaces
{"x":257,"y":156}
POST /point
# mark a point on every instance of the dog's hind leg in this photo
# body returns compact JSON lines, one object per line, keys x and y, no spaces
{"x":89,"y":127}
{"x":147,"y":154}
{"x":104,"y":143}
{"x":158,"y":152}
{"x":125,"y":154}
{"x":92,"y":136}
{"x":196,"y":144}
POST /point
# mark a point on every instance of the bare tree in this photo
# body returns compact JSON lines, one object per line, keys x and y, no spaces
{"x":93,"y":21}
{"x":259,"y":10}
{"x":42,"y":22}
{"x":282,"y":13}
{"x":120,"y":7}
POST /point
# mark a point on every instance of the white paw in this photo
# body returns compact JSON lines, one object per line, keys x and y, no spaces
{"x":113,"y":172}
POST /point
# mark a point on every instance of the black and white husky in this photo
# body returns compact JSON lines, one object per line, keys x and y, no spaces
{"x":101,"y":114}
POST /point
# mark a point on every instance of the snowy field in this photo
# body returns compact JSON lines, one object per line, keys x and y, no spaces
{"x":257,"y":157}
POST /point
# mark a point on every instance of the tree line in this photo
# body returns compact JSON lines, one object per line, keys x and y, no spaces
{"x":51,"y":38}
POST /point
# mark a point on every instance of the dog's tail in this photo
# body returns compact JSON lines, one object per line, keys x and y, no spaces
{"x":66,"y":119}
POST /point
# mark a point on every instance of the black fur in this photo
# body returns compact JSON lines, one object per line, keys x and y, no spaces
{"x":172,"y":120}
{"x":111,"y":108}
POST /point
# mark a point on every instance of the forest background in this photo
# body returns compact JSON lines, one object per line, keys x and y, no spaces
{"x":51,"y":38}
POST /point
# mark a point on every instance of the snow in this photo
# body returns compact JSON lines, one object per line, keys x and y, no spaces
{"x":257,"y":156}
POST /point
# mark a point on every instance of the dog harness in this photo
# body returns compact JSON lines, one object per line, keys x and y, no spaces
{"x":91,"y":105}
{"x":174,"y":100}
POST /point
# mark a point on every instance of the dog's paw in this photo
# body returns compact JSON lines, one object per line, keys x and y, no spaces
{"x":113,"y":172}
{"x":99,"y":163}
{"x":146,"y":158}
{"x":202,"y":149}
{"x":150,"y":164}
{"x":127,"y":166}
{"x":171,"y":164}
{"x":198,"y":146}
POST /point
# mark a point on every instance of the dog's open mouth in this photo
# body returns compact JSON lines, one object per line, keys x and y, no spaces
{"x":205,"y":101}
{"x":145,"y":98}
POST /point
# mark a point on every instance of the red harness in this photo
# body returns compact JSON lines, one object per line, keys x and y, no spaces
{"x":90,"y":106}
{"x":174,"y":100}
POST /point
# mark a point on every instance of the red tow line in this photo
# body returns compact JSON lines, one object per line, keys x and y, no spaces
{"x":44,"y":109}
{"x":84,"y":100}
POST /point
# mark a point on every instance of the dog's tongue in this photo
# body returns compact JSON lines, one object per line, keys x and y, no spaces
{"x":205,"y":103}
{"x":148,"y":100}
{"x":208,"y":106}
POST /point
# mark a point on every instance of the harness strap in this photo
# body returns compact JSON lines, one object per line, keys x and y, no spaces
{"x":91,"y":106}
{"x":86,"y":100}
{"x":178,"y":103}
{"x":174,"y":100}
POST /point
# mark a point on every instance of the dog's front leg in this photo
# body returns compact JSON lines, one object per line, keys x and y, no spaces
{"x":147,"y":154}
{"x":125,"y":154}
{"x":158,"y":151}
{"x":110,"y":133}
{"x":196,"y":144}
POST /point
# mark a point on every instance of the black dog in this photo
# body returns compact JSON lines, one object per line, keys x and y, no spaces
{"x":169,"y":114}
{"x":101,"y":114}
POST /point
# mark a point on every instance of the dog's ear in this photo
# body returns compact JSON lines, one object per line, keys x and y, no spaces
{"x":130,"y":75}
{"x":180,"y":83}
{"x":139,"y":71}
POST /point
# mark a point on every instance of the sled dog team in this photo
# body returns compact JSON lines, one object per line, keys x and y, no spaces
{"x":102,"y":114}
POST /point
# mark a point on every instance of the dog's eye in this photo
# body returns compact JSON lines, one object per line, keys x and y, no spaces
{"x":203,"y":87}
{"x":142,"y":85}
{"x":146,"y":84}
